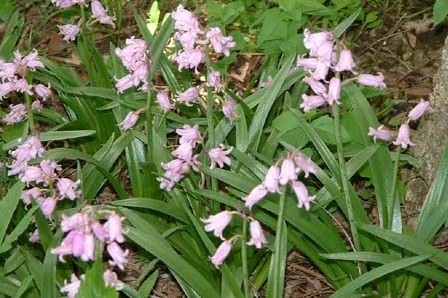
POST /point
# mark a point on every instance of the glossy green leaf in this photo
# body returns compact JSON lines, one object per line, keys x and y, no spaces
{"x":420,"y":269}
{"x":54,"y":136}
{"x":345,"y":24}
{"x":153,"y":204}
{"x":149,"y":239}
{"x":93,"y":285}
{"x":19,"y":229}
{"x":8,"y":205}
{"x":263,"y":109}
{"x":277,"y":268}
{"x":435,"y":207}
{"x":60,"y":153}
{"x":410,"y":244}
{"x":376,"y":273}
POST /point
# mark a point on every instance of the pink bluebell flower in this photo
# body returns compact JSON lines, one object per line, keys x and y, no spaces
{"x":303,"y":198}
{"x":312,"y":101}
{"x":218,"y":222}
{"x":272,"y":179}
{"x":69,"y":32}
{"x":219,"y":156}
{"x":345,"y":62}
{"x":118,"y":255}
{"x":256,"y":195}
{"x":257,"y":238}
{"x":403,"y":138}
{"x":418,"y":110}
{"x":114,"y":228}
{"x":380,"y":133}
{"x":129,"y":121}
{"x":372,"y":80}
{"x":221,"y":253}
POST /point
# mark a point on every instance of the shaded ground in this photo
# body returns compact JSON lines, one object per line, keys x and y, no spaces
{"x":406,"y":49}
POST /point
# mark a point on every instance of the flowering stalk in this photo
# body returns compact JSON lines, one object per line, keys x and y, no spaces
{"x":278,"y":240}
{"x":244,"y":262}
{"x":149,"y":101}
{"x":30,"y":114}
{"x":210,"y":123}
{"x":348,"y":202}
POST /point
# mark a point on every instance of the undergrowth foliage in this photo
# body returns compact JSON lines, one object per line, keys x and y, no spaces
{"x":158,"y":147}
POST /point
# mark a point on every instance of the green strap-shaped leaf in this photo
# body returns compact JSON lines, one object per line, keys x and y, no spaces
{"x":376,"y":273}
{"x":149,"y":239}
{"x":409,"y":243}
{"x":7,"y":207}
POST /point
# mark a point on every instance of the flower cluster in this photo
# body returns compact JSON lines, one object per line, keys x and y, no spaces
{"x":276,"y":178}
{"x":177,"y":168}
{"x":13,"y":79}
{"x":325,"y":66}
{"x":45,"y":186}
{"x":189,"y":34}
{"x":99,"y":14}
{"x":134,"y":59}
{"x":403,"y":137}
{"x":218,"y":222}
{"x":83,"y":231}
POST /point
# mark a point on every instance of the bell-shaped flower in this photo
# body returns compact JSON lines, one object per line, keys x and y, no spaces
{"x":74,"y":222}
{"x":345,"y":62}
{"x":129,"y":121}
{"x":316,"y":86}
{"x":380,"y":133}
{"x":47,"y":206}
{"x":68,"y":188}
{"x":220,"y":43}
{"x":228,"y":108}
{"x":403,"y":138}
{"x":287,"y":171}
{"x":219,"y":156}
{"x":69,"y":32}
{"x":321,"y":71}
{"x":308,"y":64}
{"x":163,"y":100}
{"x":114,"y":228}
{"x":71,"y":288}
{"x":17,"y":114}
{"x":100,"y":14}
{"x":418,"y":110}
{"x":34,"y":193}
{"x":111,"y":280}
{"x":221,"y":253}
{"x":189,"y":134}
{"x":304,"y":164}
{"x":301,"y":192}
{"x":119,"y":256}
{"x":334,"y":91}
{"x":257,"y":238}
{"x":218,"y":222}
{"x":372,"y":80}
{"x":256,"y":194}
{"x":312,"y":101}
{"x":189,"y":96}
{"x":271,"y":180}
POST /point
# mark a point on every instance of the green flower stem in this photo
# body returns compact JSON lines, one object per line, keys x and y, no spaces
{"x":343,"y":171}
{"x":149,"y":119}
{"x":244,"y":261}
{"x":30,"y":113}
{"x":278,"y":240}
{"x":393,"y":200}
{"x":210,"y":122}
